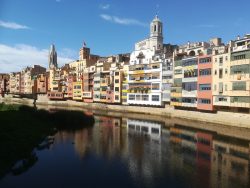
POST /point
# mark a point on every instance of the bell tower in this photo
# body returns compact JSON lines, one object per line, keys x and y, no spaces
{"x":156,"y":28}
{"x":156,"y":36}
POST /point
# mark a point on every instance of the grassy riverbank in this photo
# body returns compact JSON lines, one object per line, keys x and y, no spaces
{"x":23,"y":128}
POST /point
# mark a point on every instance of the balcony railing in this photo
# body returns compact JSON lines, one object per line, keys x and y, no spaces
{"x":241,"y":48}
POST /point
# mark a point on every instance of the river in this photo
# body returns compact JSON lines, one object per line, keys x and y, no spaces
{"x":132,"y":150}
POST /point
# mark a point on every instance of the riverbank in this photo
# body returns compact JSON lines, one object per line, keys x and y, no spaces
{"x":223,"y":118}
{"x":24,"y":129}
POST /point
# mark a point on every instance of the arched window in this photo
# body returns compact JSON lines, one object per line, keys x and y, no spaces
{"x":155,"y":28}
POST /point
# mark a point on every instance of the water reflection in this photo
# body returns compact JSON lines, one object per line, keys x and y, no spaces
{"x":153,"y":152}
{"x":144,"y":153}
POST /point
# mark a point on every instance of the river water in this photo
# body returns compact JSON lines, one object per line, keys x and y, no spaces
{"x":130,"y":150}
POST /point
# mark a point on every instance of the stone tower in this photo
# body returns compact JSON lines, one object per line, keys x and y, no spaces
{"x":52,"y":57}
{"x":156,"y":34}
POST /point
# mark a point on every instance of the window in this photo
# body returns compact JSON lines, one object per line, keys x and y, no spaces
{"x":155,"y":130}
{"x":190,"y":62}
{"x":138,"y":97}
{"x":205,"y":72}
{"x":221,"y":60}
{"x":215,"y":72}
{"x":226,"y":58}
{"x":116,"y":97}
{"x":124,"y":87}
{"x":204,"y":101}
{"x":117,"y":89}
{"x":145,"y":97}
{"x":239,"y":86}
{"x":144,"y":129}
{"x":189,"y":86}
{"x":167,"y":77}
{"x":221,"y":87}
{"x":238,"y":57}
{"x":117,"y":73}
{"x":240,"y":99}
{"x":190,"y":73}
{"x":155,"y":86}
{"x":215,"y":60}
{"x":245,"y":69}
{"x":177,"y":63}
{"x":131,"y":97}
{"x":225,"y":71}
{"x":103,"y":97}
{"x":220,"y":73}
{"x":205,"y":60}
{"x":155,"y":98}
{"x":116,"y":81}
{"x":205,"y":87}
{"x":77,"y":87}
{"x":131,"y":126}
{"x":177,"y":71}
{"x":221,"y":99}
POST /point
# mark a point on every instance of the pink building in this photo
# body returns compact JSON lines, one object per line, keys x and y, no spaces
{"x":4,"y":83}
{"x":41,"y":83}
{"x":110,"y":96}
{"x":71,"y":79}
{"x":204,"y":83}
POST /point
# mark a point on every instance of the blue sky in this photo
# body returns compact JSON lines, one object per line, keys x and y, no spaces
{"x":110,"y":26}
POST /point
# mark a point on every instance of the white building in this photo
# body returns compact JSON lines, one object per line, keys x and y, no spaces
{"x":145,"y":69}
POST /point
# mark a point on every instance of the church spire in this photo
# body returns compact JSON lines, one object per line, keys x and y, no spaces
{"x":52,"y":57}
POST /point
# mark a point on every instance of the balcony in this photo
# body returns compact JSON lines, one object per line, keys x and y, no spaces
{"x":241,"y":48}
{"x":175,"y":103}
{"x":175,"y":95}
{"x":192,"y":93}
{"x":167,"y":72}
{"x":190,"y":79}
{"x":191,"y":105}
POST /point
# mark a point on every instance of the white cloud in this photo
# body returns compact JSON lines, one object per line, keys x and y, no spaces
{"x":12,"y":25}
{"x":122,"y":21}
{"x":106,"y":17}
{"x":15,"y":58}
{"x":104,"y":7}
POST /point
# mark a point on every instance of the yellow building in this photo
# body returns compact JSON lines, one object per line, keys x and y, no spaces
{"x":239,"y":89}
{"x":221,"y":74}
{"x":77,"y":90}
{"x":125,"y":83}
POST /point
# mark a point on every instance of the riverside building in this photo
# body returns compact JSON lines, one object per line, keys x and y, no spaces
{"x":145,"y":69}
{"x":239,"y":89}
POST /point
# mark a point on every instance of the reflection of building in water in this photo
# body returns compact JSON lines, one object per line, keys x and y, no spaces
{"x":81,"y":140}
{"x":145,"y":153}
{"x":145,"y":127}
{"x":64,"y":136}
{"x":216,"y":163}
{"x":109,"y":135}
{"x":230,"y":165}
{"x":195,"y":149}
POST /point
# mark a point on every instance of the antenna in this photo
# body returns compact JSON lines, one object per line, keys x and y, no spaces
{"x":157,"y":9}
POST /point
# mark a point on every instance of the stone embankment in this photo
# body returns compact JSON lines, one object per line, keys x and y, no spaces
{"x":223,"y":118}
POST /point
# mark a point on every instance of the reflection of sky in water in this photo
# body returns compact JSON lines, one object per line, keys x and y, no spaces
{"x":120,"y":152}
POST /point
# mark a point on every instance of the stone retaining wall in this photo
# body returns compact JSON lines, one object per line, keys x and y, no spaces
{"x":224,"y":118}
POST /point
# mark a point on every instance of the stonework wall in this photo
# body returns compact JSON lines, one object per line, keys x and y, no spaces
{"x":222,"y":118}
